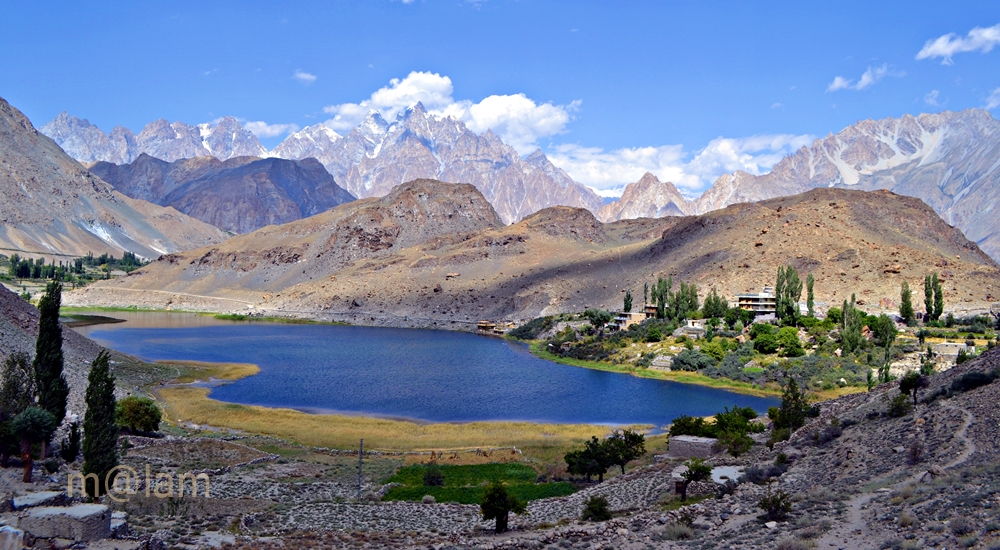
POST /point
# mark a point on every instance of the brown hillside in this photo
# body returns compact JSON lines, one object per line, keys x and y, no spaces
{"x":394,"y":260}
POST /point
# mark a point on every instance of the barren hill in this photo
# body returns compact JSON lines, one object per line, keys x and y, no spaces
{"x":50,"y":204}
{"x":239,"y":195}
{"x":436,"y":254}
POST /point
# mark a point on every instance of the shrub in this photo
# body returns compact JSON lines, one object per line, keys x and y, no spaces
{"x":972,"y":380}
{"x":51,"y":465}
{"x":691,"y":360}
{"x":654,"y":335}
{"x":899,"y":406}
{"x":915,"y":452}
{"x":70,"y":448}
{"x":753,"y":474}
{"x":776,"y":505}
{"x":793,"y":544}
{"x":433,"y":476}
{"x":676,"y":531}
{"x":907,"y":519}
{"x":532,"y":329}
{"x":428,"y":499}
{"x":137,"y":414}
{"x":596,"y":509}
{"x":765,"y":343}
{"x":961,"y":526}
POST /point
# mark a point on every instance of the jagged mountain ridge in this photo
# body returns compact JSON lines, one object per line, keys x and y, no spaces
{"x":51,"y":205}
{"x":646,"y":198}
{"x":433,"y":254}
{"x":950,"y":160}
{"x":167,"y":141}
{"x":240,"y":194}
{"x":369,"y":161}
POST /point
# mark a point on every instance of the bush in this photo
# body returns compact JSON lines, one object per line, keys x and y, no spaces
{"x":70,"y":448}
{"x":765,"y":343}
{"x":532,"y":329}
{"x":776,"y":506}
{"x":753,"y":474}
{"x":915,"y":452}
{"x":596,"y":509}
{"x":653,"y":335}
{"x":961,"y":526}
{"x":899,"y":406}
{"x":793,"y":544}
{"x":428,"y":499}
{"x":676,"y":531}
{"x":972,"y":380}
{"x":137,"y":414}
{"x":433,"y":476}
{"x":691,"y":360}
{"x":51,"y":465}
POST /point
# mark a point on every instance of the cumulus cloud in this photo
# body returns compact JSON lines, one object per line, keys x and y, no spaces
{"x":607,"y":170}
{"x":981,"y":39}
{"x":870,"y":76}
{"x":518,"y":120}
{"x":932,"y":98}
{"x":993,"y":101}
{"x":262,"y":129}
{"x":303,"y":77}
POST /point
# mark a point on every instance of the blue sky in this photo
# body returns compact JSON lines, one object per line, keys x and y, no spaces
{"x":688,"y":90}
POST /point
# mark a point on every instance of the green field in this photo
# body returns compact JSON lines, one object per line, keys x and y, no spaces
{"x":465,"y":484}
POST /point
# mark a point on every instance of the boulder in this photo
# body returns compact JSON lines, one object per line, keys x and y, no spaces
{"x":41,"y":498}
{"x":83,"y":522}
{"x":688,"y":446}
{"x":10,"y":538}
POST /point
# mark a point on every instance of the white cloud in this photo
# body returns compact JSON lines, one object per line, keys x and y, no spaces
{"x":932,"y":98}
{"x":982,"y":39}
{"x":777,"y":105}
{"x":518,"y":120}
{"x":870,"y":76}
{"x":993,"y":101}
{"x":262,"y":129}
{"x":304,"y":77}
{"x":605,"y":170}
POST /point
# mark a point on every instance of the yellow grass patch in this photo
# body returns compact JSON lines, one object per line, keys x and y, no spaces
{"x":191,"y":404}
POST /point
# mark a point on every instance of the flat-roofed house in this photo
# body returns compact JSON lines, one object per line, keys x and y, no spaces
{"x":762,"y":303}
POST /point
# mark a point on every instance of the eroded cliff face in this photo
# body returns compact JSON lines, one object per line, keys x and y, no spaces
{"x":50,"y":204}
{"x":238,"y":195}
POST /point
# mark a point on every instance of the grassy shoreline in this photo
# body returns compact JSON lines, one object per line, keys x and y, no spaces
{"x":682,"y":377}
{"x":192,"y":404}
{"x":685,"y":377}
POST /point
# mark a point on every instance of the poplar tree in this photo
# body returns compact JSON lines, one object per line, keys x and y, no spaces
{"x":100,"y":433}
{"x":810,"y":298}
{"x":928,"y":298}
{"x":48,"y":365}
{"x":906,"y":304}
{"x":645,"y":294}
{"x":938,"y":296}
{"x":628,"y":301}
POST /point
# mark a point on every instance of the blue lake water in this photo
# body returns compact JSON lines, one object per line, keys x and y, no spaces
{"x":426,"y":375}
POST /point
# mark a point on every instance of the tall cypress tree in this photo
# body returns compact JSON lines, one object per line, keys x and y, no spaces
{"x":48,"y":365}
{"x":810,"y":298}
{"x":100,"y":433}
{"x":938,"y":296}
{"x":928,"y":298}
{"x":906,"y":304}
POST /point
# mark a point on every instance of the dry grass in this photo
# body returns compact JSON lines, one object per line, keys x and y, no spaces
{"x":191,"y":404}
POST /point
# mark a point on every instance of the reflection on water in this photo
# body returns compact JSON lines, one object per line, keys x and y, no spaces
{"x":428,"y":375}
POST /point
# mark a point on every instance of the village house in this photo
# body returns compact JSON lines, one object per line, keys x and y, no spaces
{"x":626,"y":319}
{"x":761,"y":303}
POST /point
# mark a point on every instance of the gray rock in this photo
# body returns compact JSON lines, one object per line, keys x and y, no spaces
{"x":10,"y":538}
{"x":42,"y":498}
{"x":83,"y":522}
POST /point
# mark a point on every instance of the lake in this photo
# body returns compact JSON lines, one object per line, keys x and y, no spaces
{"x":423,"y":375}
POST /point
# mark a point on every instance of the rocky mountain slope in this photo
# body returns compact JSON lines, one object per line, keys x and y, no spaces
{"x":166,"y":141}
{"x":435,"y":254}
{"x":50,"y":204}
{"x":369,"y":161}
{"x":949,"y":160}
{"x":239,"y":195}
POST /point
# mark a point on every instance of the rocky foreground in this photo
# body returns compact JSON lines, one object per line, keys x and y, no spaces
{"x":855,"y":477}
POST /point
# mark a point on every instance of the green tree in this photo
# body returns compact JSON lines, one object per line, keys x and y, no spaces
{"x":906,"y":304}
{"x":18,"y":385}
{"x":70,"y":447}
{"x":715,"y":306}
{"x":851,"y":324}
{"x":596,"y":509}
{"x":885,"y":335}
{"x":912,"y":383}
{"x":787,"y":292}
{"x":938,"y":296}
{"x":624,"y":446}
{"x":627,"y":306}
{"x":497,"y":504}
{"x":792,"y":412}
{"x":788,"y":338}
{"x":100,"y":433}
{"x":49,"y":379}
{"x":697,"y":470}
{"x":928,"y":298}
{"x":810,"y":297}
{"x":138,"y":414}
{"x":645,"y":294}
{"x":32,"y":425}
{"x":765,"y":343}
